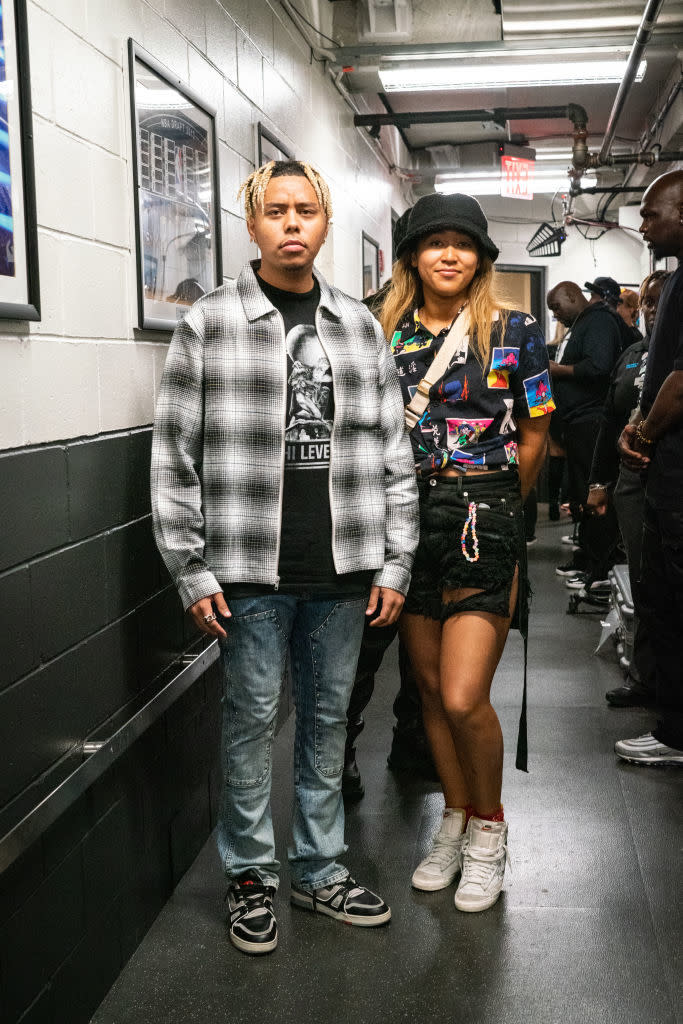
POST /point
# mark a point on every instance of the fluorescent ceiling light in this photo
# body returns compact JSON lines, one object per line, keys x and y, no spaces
{"x":546,"y":181}
{"x":455,"y":75}
{"x":592,"y":24}
{"x":501,"y":54}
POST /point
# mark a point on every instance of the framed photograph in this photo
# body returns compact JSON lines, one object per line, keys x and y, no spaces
{"x":177,"y":205}
{"x":370,"y":264}
{"x":19,"y":285}
{"x":269,"y":147}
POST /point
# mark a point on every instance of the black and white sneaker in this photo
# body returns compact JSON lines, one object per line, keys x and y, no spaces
{"x":251,"y":921}
{"x":347,"y":901}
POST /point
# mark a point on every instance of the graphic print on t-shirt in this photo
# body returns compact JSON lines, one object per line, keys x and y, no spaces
{"x":309,"y":416}
{"x":462,"y":433}
{"x":503,"y":361}
{"x":538,"y":397}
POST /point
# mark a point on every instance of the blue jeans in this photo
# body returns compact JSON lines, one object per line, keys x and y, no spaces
{"x":323,"y":637}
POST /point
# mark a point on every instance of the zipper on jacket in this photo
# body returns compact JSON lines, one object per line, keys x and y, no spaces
{"x":329,"y":476}
{"x":283,"y":421}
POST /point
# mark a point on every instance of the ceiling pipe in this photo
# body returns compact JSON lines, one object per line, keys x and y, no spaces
{"x":645,"y":30}
{"x":500,"y":115}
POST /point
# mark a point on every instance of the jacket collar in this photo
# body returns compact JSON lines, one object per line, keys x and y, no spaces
{"x":256,"y":304}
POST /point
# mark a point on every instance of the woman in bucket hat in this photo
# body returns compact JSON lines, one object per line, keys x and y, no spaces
{"x":478,"y":434}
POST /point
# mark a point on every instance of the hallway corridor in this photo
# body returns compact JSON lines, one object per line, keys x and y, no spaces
{"x":587,"y":928}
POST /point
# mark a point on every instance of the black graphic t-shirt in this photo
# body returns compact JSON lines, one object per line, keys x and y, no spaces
{"x":306,"y":562}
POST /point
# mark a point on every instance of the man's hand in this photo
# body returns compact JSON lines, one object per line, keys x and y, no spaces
{"x":201,"y":610}
{"x":628,"y":448}
{"x":392,"y":605}
{"x":597,"y":501}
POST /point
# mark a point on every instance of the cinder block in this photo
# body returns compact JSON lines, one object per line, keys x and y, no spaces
{"x":112,"y":194}
{"x":260,"y":27}
{"x":221,"y":41}
{"x":88,"y":95}
{"x":164,"y":42}
{"x":70,"y":12}
{"x":249,"y":70}
{"x":62,"y":399}
{"x":95,"y":283}
{"x":14,"y":373}
{"x":237,"y":248}
{"x":111,"y":24}
{"x":41,"y":55}
{"x":63,"y":181}
{"x":231,"y":165}
{"x":281,"y":105}
{"x":33,"y":504}
{"x":208,"y":84}
{"x":240,"y":120}
{"x":189,"y":20}
{"x":17,"y":651}
{"x":126,"y":384}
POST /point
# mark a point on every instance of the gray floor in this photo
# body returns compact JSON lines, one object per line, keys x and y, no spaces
{"x":587,"y":929}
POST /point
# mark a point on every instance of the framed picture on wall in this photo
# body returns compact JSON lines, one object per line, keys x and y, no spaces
{"x":19,"y":285}
{"x":269,"y":147}
{"x":370,"y":264}
{"x":177,"y":206}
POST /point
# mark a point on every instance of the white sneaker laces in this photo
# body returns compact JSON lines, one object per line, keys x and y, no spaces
{"x":479,"y":866}
{"x":442,"y":852}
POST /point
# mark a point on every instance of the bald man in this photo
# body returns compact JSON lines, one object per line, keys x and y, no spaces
{"x":580,"y":382}
{"x":655,"y":446}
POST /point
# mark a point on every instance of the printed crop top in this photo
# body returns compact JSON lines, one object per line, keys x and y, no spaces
{"x":470,"y":419}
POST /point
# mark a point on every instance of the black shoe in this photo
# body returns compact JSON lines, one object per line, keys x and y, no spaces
{"x":347,"y":901}
{"x":251,"y":923}
{"x":412,"y":754}
{"x":553,"y":511}
{"x":630,"y":695}
{"x":352,"y":783}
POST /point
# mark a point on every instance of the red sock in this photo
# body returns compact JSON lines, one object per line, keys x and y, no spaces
{"x":499,"y":815}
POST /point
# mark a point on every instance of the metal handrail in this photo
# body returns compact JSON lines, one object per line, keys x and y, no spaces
{"x":99,"y":755}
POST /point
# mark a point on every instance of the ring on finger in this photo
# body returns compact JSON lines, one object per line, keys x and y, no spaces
{"x":209,"y":618}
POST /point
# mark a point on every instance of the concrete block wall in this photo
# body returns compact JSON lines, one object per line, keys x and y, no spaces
{"x":84,"y":368}
{"x":92,"y":618}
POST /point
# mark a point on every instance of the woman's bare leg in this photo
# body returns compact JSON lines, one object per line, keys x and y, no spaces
{"x":471,"y":647}
{"x":423,"y":639}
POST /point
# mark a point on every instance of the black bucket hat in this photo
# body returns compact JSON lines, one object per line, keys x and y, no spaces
{"x":439,"y":213}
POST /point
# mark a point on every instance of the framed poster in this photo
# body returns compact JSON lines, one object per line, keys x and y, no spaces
{"x":177,"y":206}
{"x":19,"y":285}
{"x":269,"y":147}
{"x":370,"y":264}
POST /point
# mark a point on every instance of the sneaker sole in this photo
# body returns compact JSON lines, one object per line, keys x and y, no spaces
{"x":471,"y":908}
{"x":433,"y":886}
{"x":254,"y":948}
{"x":305,"y":902}
{"x":651,"y":762}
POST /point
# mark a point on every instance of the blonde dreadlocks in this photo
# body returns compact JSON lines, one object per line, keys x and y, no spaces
{"x":254,"y":188}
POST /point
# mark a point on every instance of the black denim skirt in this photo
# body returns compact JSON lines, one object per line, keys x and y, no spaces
{"x":491,"y":506}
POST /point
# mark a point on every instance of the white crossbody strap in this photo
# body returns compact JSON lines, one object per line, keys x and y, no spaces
{"x":454,"y":350}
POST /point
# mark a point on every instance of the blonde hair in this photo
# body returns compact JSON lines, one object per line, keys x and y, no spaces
{"x":254,"y":188}
{"x":483,"y":301}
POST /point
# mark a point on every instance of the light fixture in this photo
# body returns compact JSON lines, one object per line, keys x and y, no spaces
{"x":458,"y":75}
{"x":547,"y":181}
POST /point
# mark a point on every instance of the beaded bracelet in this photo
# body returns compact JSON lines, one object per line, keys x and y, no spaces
{"x":470,"y":523}
{"x":641,"y":436}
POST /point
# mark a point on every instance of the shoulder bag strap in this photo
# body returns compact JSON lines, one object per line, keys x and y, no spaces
{"x":454,"y":349}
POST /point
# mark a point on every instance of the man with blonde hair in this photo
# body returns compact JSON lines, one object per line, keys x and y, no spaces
{"x":285,"y":508}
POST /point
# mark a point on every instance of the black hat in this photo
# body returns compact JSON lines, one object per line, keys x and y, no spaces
{"x":606,"y":287}
{"x":440,"y":213}
{"x":401,"y":226}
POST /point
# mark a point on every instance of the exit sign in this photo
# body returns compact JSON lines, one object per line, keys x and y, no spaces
{"x":517,"y":177}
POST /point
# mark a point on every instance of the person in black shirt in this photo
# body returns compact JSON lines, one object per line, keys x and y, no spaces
{"x":580,"y":382}
{"x":655,"y":446}
{"x":627,"y":495}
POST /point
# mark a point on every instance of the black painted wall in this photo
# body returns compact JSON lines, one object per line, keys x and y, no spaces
{"x":90,"y":619}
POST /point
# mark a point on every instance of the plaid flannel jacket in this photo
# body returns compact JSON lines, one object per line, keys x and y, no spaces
{"x":219,"y":443}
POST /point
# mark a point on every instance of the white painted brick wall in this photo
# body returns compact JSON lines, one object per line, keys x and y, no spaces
{"x":85,"y":367}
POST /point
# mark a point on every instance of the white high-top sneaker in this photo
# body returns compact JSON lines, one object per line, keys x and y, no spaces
{"x":444,"y":860}
{"x":483,"y":865}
